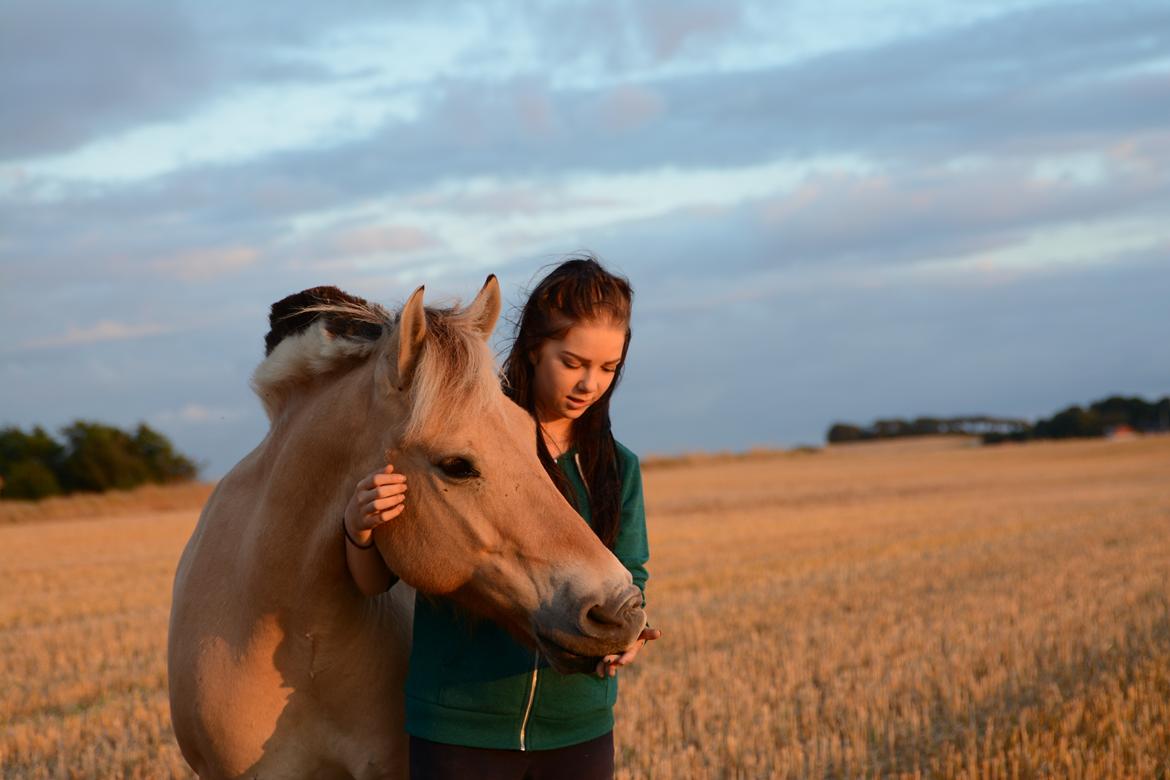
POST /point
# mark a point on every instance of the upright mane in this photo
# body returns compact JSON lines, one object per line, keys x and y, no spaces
{"x":323,"y":329}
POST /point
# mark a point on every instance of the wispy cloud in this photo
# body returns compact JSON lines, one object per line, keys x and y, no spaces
{"x":103,"y":330}
{"x":205,"y":265}
{"x":197,"y":414}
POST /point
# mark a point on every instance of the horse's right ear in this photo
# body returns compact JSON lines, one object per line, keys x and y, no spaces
{"x":485,"y":309}
{"x":412,"y":333}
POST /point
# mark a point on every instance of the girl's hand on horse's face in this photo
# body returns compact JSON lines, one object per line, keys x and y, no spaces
{"x":609,"y":664}
{"x":377,"y":499}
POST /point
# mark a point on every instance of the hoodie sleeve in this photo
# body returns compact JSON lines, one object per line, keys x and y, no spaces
{"x":631,"y":546}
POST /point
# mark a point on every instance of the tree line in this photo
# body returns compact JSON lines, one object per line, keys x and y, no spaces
{"x":1097,"y":419}
{"x":89,"y":457}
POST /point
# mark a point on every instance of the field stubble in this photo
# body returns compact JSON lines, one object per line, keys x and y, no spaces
{"x":894,"y":610}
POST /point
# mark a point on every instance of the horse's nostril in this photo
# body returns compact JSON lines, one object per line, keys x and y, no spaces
{"x":633,"y":602}
{"x":597,"y":614}
{"x":618,"y":612}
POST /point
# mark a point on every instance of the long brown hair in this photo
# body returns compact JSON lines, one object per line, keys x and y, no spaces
{"x":576,"y":291}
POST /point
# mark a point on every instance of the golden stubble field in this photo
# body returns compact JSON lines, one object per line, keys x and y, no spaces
{"x":918,"y":609}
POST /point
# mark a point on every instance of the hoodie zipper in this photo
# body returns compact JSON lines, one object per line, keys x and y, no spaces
{"x":531,"y":697}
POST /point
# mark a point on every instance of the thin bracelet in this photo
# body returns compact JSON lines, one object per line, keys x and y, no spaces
{"x":351,"y":540}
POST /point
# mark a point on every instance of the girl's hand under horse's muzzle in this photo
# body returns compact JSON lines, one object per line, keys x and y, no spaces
{"x":609,"y":664}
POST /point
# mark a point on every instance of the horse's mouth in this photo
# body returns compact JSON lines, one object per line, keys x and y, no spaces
{"x":563,"y":659}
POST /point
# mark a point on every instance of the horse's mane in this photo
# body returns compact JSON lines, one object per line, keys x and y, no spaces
{"x":322,"y":330}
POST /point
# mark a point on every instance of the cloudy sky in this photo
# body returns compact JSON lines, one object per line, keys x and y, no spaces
{"x":829,"y":210}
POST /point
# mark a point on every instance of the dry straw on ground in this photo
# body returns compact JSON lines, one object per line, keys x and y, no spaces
{"x":148,"y":498}
{"x":923,"y":609}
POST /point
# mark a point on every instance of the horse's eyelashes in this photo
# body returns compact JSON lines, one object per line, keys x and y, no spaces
{"x":458,"y":468}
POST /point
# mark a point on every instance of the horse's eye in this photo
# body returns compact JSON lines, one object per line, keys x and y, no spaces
{"x":458,"y":468}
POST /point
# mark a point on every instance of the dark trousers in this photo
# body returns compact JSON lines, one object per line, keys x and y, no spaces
{"x":592,"y":760}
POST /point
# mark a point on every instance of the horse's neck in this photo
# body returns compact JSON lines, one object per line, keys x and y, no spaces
{"x":318,"y":447}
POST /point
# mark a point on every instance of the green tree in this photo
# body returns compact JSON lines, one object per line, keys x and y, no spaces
{"x":163,"y":463}
{"x":28,"y":463}
{"x":30,"y":479}
{"x":844,"y":432}
{"x":1070,"y":423}
{"x":94,"y":457}
{"x":100,"y":457}
{"x":17,"y":446}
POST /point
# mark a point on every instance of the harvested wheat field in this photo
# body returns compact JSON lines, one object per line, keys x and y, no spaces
{"x":920,"y":609}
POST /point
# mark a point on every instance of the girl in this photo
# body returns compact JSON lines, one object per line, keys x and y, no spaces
{"x":477,"y":704}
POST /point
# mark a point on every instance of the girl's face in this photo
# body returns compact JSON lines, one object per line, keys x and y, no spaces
{"x":573,"y":372}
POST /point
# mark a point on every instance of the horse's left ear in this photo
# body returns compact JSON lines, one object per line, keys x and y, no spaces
{"x":485,"y":309}
{"x":412,"y":332}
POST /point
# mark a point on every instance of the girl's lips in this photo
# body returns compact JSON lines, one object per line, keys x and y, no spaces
{"x":574,"y":401}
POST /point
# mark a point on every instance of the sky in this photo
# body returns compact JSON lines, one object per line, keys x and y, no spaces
{"x":829,"y":211}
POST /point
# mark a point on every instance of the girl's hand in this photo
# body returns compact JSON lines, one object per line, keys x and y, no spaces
{"x":610,"y":663}
{"x":377,"y":499}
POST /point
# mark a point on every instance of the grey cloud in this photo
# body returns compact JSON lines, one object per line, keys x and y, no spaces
{"x":625,"y":36}
{"x":72,"y":71}
{"x":1002,"y":86}
{"x":1029,"y":74}
{"x":783,"y":355}
{"x":848,"y":221}
{"x":782,"y":369}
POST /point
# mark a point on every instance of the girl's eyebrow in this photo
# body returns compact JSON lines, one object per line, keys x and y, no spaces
{"x":578,"y":358}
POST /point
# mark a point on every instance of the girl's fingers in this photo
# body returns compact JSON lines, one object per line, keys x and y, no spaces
{"x":386,"y":479}
{"x":390,"y":514}
{"x":374,"y":507}
{"x":375,"y":518}
{"x":385,"y":503}
{"x":390,"y":490}
{"x":367,"y":523}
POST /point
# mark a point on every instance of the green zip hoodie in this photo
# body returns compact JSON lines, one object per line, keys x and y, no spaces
{"x":471,"y":683}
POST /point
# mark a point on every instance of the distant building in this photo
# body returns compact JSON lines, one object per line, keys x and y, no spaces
{"x":1120,"y":432}
{"x":981,"y":425}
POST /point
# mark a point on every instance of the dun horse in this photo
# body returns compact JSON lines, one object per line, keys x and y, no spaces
{"x":278,"y":666}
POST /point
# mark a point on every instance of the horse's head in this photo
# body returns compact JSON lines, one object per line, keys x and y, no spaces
{"x":483,"y":523}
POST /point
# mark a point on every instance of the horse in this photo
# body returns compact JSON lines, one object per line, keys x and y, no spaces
{"x":277,"y":665}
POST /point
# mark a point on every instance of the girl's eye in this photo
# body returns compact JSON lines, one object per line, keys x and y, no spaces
{"x":609,"y":369}
{"x":457,"y":468}
{"x":570,"y":365}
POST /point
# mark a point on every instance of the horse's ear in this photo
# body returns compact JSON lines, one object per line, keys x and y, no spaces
{"x":412,"y":332}
{"x":485,"y":309}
